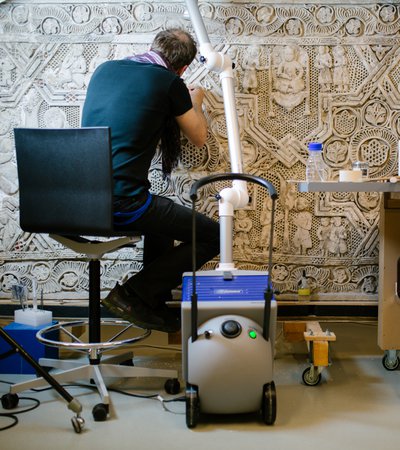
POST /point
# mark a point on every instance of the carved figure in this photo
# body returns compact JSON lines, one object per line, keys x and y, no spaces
{"x":71,"y":73}
{"x":323,"y":62}
{"x":73,"y":69}
{"x":243,"y":225}
{"x":323,"y":232}
{"x":29,"y":109}
{"x":8,"y":169}
{"x":8,"y":223}
{"x":103,"y":55}
{"x":6,"y":71}
{"x":265,"y":222}
{"x":336,"y":243}
{"x":303,"y":220}
{"x":288,"y":200}
{"x":250,"y":64}
{"x":341,"y":77}
{"x":289,"y":77}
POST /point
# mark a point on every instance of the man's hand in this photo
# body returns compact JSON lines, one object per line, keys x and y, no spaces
{"x":197,"y":95}
{"x":193,"y":123}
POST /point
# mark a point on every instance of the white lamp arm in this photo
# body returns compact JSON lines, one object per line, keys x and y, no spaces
{"x":237,"y":195}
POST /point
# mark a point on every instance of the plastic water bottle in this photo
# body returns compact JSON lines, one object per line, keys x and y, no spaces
{"x":315,"y":168}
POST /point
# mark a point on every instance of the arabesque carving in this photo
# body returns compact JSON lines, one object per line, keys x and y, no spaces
{"x":304,"y":72}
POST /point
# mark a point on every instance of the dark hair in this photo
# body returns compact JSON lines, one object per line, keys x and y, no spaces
{"x":176,"y":45}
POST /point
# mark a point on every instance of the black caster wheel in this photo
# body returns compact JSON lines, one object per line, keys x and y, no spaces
{"x":100,"y":412}
{"x":172,"y":386}
{"x":268,"y":404}
{"x":390,"y":364}
{"x":192,"y":406}
{"x":310,"y":377}
{"x":9,"y":401}
{"x":78,"y":423}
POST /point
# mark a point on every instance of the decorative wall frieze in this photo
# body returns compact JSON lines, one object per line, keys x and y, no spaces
{"x":304,"y":72}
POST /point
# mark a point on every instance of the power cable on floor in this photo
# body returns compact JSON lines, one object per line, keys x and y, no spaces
{"x":13,"y":416}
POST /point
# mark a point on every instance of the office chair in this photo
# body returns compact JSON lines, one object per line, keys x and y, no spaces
{"x":66,"y":191}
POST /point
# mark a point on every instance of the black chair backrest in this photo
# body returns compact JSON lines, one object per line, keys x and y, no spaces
{"x":65,"y":180}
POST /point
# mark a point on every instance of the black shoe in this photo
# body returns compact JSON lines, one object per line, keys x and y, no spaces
{"x":133,"y":309}
{"x":171,"y":316}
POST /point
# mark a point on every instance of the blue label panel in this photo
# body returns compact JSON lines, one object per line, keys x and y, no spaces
{"x":216,"y":288}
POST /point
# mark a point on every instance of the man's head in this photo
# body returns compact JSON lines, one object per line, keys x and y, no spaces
{"x":177,"y":46}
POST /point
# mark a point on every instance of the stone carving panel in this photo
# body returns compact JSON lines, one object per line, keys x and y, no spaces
{"x":303,"y":72}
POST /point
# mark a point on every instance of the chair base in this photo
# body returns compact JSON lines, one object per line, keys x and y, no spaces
{"x":96,"y":367}
{"x":109,"y":367}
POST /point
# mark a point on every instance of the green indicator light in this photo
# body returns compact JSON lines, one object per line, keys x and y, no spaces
{"x":252,"y":334}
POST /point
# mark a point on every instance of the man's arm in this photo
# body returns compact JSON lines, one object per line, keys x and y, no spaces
{"x":193,"y":123}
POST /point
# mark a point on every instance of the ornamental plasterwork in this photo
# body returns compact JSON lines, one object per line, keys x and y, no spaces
{"x":327,"y":72}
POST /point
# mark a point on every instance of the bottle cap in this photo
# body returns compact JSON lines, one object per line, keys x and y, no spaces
{"x":314,"y":146}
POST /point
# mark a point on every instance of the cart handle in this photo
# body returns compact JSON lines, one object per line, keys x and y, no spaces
{"x":193,"y":196}
{"x":232,"y":176}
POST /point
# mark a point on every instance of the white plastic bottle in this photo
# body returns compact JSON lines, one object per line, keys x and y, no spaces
{"x":315,"y":168}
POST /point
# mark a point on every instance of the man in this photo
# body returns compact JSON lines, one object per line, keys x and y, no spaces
{"x":144,"y":101}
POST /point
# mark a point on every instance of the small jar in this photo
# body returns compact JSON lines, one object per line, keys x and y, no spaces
{"x":363,"y":166}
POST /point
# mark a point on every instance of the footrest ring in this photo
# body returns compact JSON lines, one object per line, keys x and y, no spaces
{"x":79,"y":345}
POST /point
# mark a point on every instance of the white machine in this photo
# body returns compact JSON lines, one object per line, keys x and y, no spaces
{"x":228,"y":315}
{"x":228,"y":334}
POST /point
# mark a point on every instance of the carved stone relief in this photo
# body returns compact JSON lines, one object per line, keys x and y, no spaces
{"x":303,"y":72}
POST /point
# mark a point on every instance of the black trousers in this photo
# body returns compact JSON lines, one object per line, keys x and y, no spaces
{"x":163,"y":223}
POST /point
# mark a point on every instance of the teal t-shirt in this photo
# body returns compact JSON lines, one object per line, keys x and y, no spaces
{"x":135,"y":100}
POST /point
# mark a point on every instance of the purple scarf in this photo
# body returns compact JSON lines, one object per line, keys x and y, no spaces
{"x":151,"y":57}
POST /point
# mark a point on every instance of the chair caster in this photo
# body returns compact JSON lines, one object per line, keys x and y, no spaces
{"x":9,"y":401}
{"x":100,"y":412}
{"x":78,"y":423}
{"x":172,"y":386}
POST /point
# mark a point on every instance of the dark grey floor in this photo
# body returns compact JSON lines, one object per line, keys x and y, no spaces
{"x":356,"y":406}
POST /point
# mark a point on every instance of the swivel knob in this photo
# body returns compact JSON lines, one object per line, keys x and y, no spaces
{"x":231,"y":329}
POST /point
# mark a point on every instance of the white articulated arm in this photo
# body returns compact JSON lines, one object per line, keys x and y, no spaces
{"x":236,"y":196}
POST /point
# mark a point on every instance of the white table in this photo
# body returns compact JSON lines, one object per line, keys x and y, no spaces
{"x":389,"y":258}
{"x":347,"y":186}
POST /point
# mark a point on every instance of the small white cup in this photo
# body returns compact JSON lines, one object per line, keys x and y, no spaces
{"x":350,"y":175}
